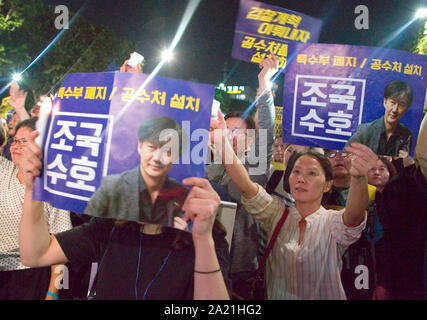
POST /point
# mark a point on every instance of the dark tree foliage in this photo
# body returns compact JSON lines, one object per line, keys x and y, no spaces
{"x":28,"y":26}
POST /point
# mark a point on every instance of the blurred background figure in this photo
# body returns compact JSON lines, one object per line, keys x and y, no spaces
{"x":401,"y":252}
{"x":17,"y":102}
{"x":360,"y":254}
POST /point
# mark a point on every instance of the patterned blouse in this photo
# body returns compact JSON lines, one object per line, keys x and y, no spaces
{"x":11,"y":203}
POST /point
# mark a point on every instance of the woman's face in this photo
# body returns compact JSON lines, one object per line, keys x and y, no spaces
{"x":307,"y":180}
{"x":19,"y":141}
{"x":379,"y":175}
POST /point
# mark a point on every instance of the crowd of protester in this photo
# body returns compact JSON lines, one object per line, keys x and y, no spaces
{"x":355,"y":223}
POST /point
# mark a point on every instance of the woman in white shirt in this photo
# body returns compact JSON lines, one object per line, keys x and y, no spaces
{"x":305,"y":262}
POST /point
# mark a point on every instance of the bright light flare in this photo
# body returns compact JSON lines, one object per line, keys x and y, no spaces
{"x":17,"y":77}
{"x":421,"y":13}
{"x":167,"y":55}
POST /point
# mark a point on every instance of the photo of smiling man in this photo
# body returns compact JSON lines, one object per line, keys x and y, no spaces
{"x":387,"y":136}
{"x":146,"y":193}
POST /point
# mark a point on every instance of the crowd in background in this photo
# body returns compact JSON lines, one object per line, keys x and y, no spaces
{"x":354,"y":223}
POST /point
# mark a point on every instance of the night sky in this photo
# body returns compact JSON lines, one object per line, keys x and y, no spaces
{"x":204,"y":52}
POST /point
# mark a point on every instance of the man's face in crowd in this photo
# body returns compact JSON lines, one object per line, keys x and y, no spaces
{"x":336,"y":158}
{"x":237,"y":128}
{"x":394,"y":110}
{"x":155,"y":161}
{"x":278,"y":150}
{"x":12,"y":124}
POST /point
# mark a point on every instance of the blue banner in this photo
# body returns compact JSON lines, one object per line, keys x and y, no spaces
{"x":262,"y":29}
{"x":92,"y":131}
{"x":337,"y":93}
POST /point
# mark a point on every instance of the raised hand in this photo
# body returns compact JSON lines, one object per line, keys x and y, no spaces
{"x":126,"y":68}
{"x":30,"y":162}
{"x":17,"y":97}
{"x":269,"y":67}
{"x":200,"y":207}
{"x":362,"y":159}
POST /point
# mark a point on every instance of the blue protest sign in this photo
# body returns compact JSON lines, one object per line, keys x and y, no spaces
{"x":339,"y":93}
{"x":94,"y":126}
{"x":262,"y":29}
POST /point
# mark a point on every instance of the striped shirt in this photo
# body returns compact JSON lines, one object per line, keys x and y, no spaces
{"x":310,"y":270}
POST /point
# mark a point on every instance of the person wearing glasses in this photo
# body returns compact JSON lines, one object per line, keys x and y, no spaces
{"x":17,"y":281}
{"x":255,"y":153}
{"x":17,"y":101}
{"x":386,"y":136}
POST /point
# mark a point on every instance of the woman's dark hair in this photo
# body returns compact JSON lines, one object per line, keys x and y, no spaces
{"x":390,"y":166}
{"x":250,"y":122}
{"x":151,"y":129}
{"x":28,"y":123}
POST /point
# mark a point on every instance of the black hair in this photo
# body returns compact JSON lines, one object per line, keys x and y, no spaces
{"x":151,"y":130}
{"x":27,"y":123}
{"x":3,"y":136}
{"x":250,"y":122}
{"x":400,"y":91}
{"x":322,"y":159}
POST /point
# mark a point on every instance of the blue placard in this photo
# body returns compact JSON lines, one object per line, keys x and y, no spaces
{"x":92,"y":131}
{"x":262,"y":29}
{"x":332,"y":92}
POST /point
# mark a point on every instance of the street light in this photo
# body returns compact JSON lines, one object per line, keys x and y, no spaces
{"x":16,"y":77}
{"x":421,"y":13}
{"x":167,"y":55}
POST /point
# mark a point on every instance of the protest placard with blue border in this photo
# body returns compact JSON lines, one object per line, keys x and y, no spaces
{"x":92,"y":131}
{"x":331,"y":90}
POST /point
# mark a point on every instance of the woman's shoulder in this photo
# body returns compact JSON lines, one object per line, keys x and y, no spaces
{"x":329,"y":213}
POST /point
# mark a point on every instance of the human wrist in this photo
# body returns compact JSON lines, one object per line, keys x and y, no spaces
{"x":203,"y":241}
{"x":360,"y":178}
{"x":53,"y":295}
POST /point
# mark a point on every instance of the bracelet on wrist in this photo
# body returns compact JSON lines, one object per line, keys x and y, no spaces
{"x":207,"y":272}
{"x":52,"y":295}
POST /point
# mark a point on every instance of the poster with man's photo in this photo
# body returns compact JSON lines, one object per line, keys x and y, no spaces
{"x":112,"y":138}
{"x":338,"y":94}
